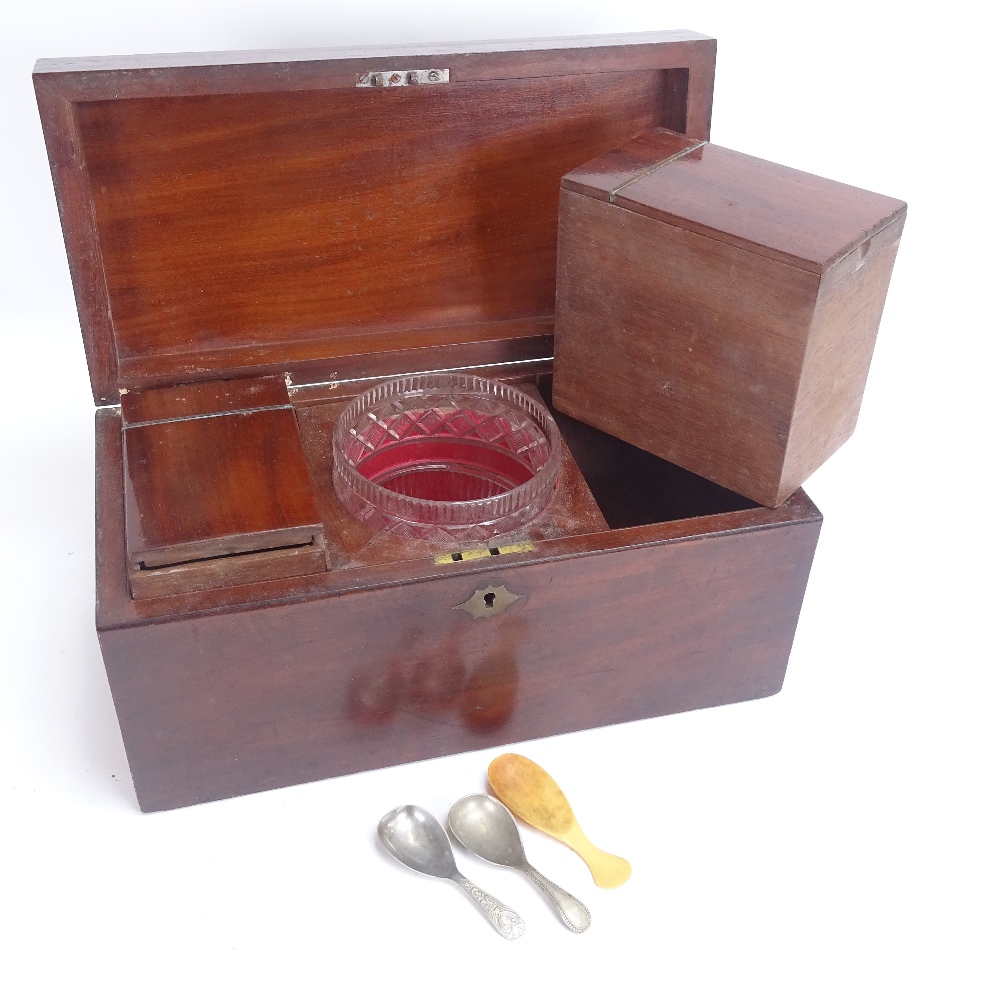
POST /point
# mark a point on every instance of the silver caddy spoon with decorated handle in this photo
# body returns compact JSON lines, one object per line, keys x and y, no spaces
{"x":486,"y":827}
{"x":416,"y":839}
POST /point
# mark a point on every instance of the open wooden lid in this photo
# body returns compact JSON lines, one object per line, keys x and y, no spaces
{"x":230,"y":215}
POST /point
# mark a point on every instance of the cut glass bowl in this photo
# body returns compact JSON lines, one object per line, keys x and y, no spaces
{"x":445,"y":457}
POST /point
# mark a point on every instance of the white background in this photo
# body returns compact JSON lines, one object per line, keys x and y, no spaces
{"x":837,"y":840}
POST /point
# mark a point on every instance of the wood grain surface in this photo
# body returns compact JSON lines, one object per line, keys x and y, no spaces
{"x":202,"y":398}
{"x":266,"y":213}
{"x":218,"y":496}
{"x":371,"y":664}
{"x":717,"y":310}
{"x":603,"y":176}
{"x":572,"y":510}
{"x":793,"y":216}
{"x":259,"y":214}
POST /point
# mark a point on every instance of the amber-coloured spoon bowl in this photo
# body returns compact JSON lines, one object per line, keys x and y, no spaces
{"x":531,"y":795}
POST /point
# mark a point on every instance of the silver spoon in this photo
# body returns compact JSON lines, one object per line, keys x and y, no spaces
{"x":486,"y":827}
{"x":416,"y":839}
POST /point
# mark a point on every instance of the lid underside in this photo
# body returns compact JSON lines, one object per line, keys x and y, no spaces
{"x":261,"y":228}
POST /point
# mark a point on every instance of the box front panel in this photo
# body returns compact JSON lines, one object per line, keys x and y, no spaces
{"x":228,"y":704}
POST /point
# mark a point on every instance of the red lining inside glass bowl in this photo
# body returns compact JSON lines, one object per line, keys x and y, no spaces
{"x":445,"y":456}
{"x":441,"y":468}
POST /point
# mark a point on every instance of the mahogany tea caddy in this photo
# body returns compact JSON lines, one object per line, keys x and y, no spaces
{"x":254,"y":239}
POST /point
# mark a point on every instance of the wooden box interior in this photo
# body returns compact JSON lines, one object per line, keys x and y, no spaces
{"x":604,"y":484}
{"x":266,"y":216}
{"x":610,"y":494}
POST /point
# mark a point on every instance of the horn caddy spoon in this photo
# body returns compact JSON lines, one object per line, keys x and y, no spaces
{"x":531,"y":795}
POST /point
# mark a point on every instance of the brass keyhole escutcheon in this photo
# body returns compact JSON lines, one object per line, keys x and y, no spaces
{"x":488,"y":601}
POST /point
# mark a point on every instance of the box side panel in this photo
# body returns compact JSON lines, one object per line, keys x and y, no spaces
{"x":235,"y":703}
{"x":83,"y":252}
{"x":679,"y":344}
{"x":839,"y":353}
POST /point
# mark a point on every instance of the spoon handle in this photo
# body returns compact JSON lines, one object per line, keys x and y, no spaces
{"x":575,"y":915}
{"x":503,"y":918}
{"x":608,"y":870}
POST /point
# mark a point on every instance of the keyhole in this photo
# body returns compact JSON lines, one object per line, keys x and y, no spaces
{"x":489,"y":598}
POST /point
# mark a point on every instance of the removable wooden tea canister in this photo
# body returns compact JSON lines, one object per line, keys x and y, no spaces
{"x":718,"y":310}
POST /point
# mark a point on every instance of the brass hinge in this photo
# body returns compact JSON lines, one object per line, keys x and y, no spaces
{"x":401,"y":77}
